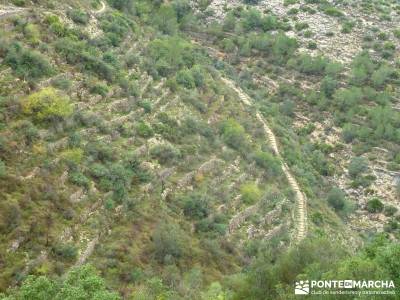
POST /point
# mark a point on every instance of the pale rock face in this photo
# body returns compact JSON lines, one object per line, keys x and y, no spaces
{"x":326,"y":29}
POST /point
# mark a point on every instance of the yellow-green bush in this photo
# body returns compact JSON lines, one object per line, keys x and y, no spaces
{"x":47,"y":104}
{"x":32,"y":33}
{"x":74,"y":155}
{"x":250,"y":193}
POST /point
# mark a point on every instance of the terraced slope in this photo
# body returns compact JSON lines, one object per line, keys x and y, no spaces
{"x":301,"y":201}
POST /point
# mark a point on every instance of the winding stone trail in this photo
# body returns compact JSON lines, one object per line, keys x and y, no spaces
{"x":301,"y":202}
{"x":102,"y":8}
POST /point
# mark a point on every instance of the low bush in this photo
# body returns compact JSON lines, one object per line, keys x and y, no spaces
{"x":66,"y":252}
{"x":269,"y":163}
{"x":169,"y":242}
{"x":165,"y":153}
{"x":375,"y":205}
{"x":357,"y":166}
{"x":79,"y":16}
{"x":47,"y":104}
{"x":337,"y":199}
{"x":250,"y":193}
{"x":27,"y":64}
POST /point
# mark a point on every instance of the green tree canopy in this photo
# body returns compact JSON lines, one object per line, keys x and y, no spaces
{"x":81,"y":283}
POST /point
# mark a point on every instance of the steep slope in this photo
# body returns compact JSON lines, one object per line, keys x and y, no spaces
{"x":301,"y":221}
{"x":150,"y":148}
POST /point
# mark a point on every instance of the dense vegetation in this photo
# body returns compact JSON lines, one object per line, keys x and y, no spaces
{"x":130,"y":170}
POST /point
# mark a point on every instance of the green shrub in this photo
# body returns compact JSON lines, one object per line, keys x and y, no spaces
{"x":375,"y":205}
{"x":308,"y":64}
{"x":146,"y":105}
{"x":312,"y":45}
{"x":251,"y":19}
{"x":27,"y":64}
{"x":171,"y":54}
{"x":62,"y":83}
{"x":337,"y":199}
{"x":321,"y":163}
{"x":3,"y":170}
{"x":199,"y":75}
{"x":250,"y":193}
{"x":116,"y":27}
{"x":301,"y":26}
{"x":186,"y":79}
{"x":333,"y":11}
{"x":234,"y":134}
{"x":74,"y":156}
{"x":86,"y":57}
{"x":357,"y":166}
{"x":19,"y":2}
{"x":99,"y":89}
{"x":32,"y":33}
{"x":100,"y":151}
{"x":328,"y":86}
{"x":47,"y":104}
{"x":348,"y":98}
{"x":166,"y":19}
{"x":333,"y":69}
{"x":349,"y":133}
{"x":78,"y":16}
{"x":269,"y":163}
{"x":252,"y":2}
{"x":381,"y":76}
{"x":165,"y":153}
{"x":390,"y":210}
{"x":396,"y":33}
{"x":284,"y":47}
{"x":195,"y":206}
{"x":169,"y":242}
{"x":78,"y":178}
{"x":123,"y":5}
{"x":287,"y":107}
{"x":195,"y":100}
{"x":65,"y":251}
{"x":144,"y":130}
{"x":317,"y":218}
{"x":79,"y":283}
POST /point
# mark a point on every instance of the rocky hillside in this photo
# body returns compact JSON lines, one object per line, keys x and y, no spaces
{"x":194,"y":149}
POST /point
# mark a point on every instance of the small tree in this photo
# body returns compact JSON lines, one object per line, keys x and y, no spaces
{"x":26,"y":63}
{"x":336,"y":199}
{"x":195,"y":206}
{"x":169,"y":241}
{"x":165,"y":153}
{"x":79,"y":16}
{"x":268,"y":162}
{"x":47,"y":104}
{"x":234,"y":134}
{"x":328,"y":86}
{"x":80,"y":283}
{"x":185,"y":78}
{"x":357,"y":166}
{"x":166,"y":20}
{"x":375,"y":205}
{"x":144,"y":130}
{"x":250,"y":193}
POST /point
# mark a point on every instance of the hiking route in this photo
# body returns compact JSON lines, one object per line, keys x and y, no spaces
{"x":301,"y":201}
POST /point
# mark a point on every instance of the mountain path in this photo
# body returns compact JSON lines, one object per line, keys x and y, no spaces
{"x":102,"y":8}
{"x":301,"y":202}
